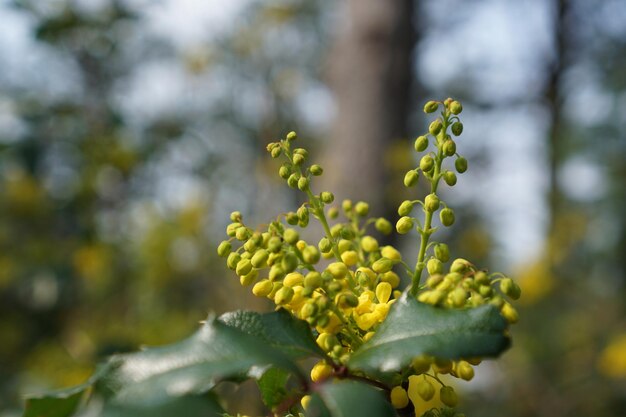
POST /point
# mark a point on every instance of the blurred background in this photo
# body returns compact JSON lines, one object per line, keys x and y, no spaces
{"x":129,"y":129}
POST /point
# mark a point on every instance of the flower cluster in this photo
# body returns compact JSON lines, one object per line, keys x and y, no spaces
{"x":344,"y":284}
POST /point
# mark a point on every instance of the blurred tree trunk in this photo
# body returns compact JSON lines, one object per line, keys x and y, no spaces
{"x":370,"y":71}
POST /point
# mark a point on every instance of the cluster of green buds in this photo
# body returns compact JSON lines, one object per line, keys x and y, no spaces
{"x":344,"y":284}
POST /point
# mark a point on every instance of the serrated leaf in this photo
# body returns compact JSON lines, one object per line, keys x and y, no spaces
{"x":193,"y":366}
{"x":278,"y":329}
{"x":413,"y":328}
{"x":272,"y":386}
{"x":349,"y":399}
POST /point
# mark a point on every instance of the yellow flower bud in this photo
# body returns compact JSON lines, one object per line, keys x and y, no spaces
{"x":338,"y":269}
{"x":292,"y":181}
{"x":391,"y":253}
{"x":332,"y":213}
{"x":431,"y":203}
{"x":460,"y":265}
{"x":404,"y":225}
{"x":510,"y":288}
{"x":303,"y":184}
{"x":464,"y":371}
{"x":327,"y":197}
{"x":442,"y":366}
{"x":291,"y":236}
{"x":369,"y":244}
{"x":434,"y":266}
{"x":232,"y":260}
{"x":458,"y":297}
{"x":347,"y":300}
{"x":276,"y":151}
{"x":313,"y":279}
{"x":276,"y":272}
{"x":244,"y":266}
{"x":291,"y":136}
{"x":350,"y":258}
{"x":448,"y":396}
{"x":305,"y":401}
{"x":259,"y":259}
{"x":242,"y":233}
{"x":249,"y":278}
{"x":450,"y":178}
{"x":262,"y":288}
{"x":383,"y":226}
{"x":442,"y":252}
{"x":383,"y":292}
{"x":382,"y":265}
{"x":311,"y":255}
{"x":298,"y":159}
{"x":405,"y":208}
{"x":509,"y":313}
{"x":399,"y":397}
{"x":482,"y":278}
{"x":321,"y":371}
{"x":421,"y":143}
{"x":309,"y":309}
{"x":392,"y":278}
{"x":316,"y":170}
{"x":292,"y":279}
{"x":283,"y":295}
{"x":411,"y":178}
{"x":325,"y":245}
{"x":289,"y":262}
{"x":431,"y":107}
{"x":446,"y":216}
{"x":427,"y":163}
{"x":224,"y":249}
{"x":285,"y":171}
{"x":344,"y":245}
{"x":456,"y":107}
{"x":231,"y":229}
{"x":362,"y":208}
{"x":346,"y":206}
{"x":435,"y":127}
{"x":449,"y":147}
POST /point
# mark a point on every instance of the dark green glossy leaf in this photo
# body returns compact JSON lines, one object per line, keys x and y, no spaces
{"x":193,"y":366}
{"x":278,"y":329}
{"x":349,"y":399}
{"x":273,"y":386}
{"x":413,"y":328}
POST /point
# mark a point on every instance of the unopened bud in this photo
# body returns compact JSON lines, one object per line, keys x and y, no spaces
{"x":434,"y":266}
{"x":303,"y":184}
{"x":442,"y":252}
{"x":362,"y":208}
{"x":460,"y":164}
{"x":447,"y":217}
{"x":457,"y":128}
{"x":427,"y":163}
{"x":383,"y":225}
{"x":431,"y":203}
{"x":421,"y":143}
{"x":456,"y":107}
{"x":405,"y":208}
{"x":276,"y":151}
{"x":448,"y":396}
{"x":316,"y":170}
{"x":404,"y":225}
{"x":224,"y":249}
{"x":449,"y":147}
{"x":327,"y":197}
{"x":411,"y":178}
{"x":431,"y":107}
{"x":382,"y":265}
{"x":284,"y":171}
{"x":435,"y":127}
{"x":449,"y":177}
{"x":291,"y":136}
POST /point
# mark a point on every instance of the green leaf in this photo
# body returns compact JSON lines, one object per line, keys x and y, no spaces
{"x":349,"y":399}
{"x":278,"y":329}
{"x":413,"y":328}
{"x":273,"y":385}
{"x":190,"y":406}
{"x":61,"y":403}
{"x":193,"y":366}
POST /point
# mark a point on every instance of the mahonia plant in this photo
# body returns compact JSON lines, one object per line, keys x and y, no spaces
{"x":382,"y":349}
{"x":344,"y":285}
